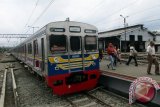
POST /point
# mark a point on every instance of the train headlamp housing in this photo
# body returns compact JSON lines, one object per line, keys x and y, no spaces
{"x":93,"y":57}
{"x":56,"y":59}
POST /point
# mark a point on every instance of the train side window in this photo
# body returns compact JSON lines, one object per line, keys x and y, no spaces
{"x":35,"y":43}
{"x":29,"y":48}
{"x":75,"y":42}
{"x":90,"y":43}
{"x":57,"y":43}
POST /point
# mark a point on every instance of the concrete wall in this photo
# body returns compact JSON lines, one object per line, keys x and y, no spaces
{"x":145,"y":35}
{"x":158,"y":38}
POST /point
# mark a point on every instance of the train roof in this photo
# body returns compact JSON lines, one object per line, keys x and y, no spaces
{"x":70,"y":23}
{"x":60,"y":23}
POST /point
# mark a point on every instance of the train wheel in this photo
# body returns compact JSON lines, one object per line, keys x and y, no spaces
{"x":31,"y":71}
{"x":43,"y":79}
{"x":39,"y":77}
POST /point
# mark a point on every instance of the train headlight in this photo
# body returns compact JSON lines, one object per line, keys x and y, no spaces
{"x":93,"y":57}
{"x":56,"y":59}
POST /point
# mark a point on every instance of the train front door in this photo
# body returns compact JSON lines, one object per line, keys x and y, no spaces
{"x":76,"y":56}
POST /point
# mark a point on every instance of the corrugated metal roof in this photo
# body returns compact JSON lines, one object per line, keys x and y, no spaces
{"x":118,"y":31}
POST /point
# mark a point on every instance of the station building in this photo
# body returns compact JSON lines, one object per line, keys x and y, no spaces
{"x":122,"y":37}
{"x":157,"y":43}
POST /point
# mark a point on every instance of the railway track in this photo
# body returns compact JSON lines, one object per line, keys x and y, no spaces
{"x":141,"y":58}
{"x":85,"y":100}
{"x":98,"y":98}
{"x":117,"y":103}
{"x":2,"y":86}
{"x":33,"y":93}
{"x":7,"y":98}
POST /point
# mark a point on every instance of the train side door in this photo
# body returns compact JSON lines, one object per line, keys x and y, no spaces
{"x":35,"y":47}
{"x":76,"y":62}
{"x":43,"y":54}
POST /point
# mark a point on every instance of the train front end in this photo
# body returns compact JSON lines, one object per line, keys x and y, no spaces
{"x":73,"y":61}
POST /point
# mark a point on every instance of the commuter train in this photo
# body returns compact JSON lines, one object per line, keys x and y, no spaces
{"x":65,"y":53}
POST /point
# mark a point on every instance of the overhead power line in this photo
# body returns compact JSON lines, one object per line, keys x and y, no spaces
{"x":115,"y":12}
{"x":91,"y":11}
{"x":148,"y":21}
{"x":50,"y":3}
{"x":32,"y":13}
{"x":138,"y":12}
{"x":141,"y":11}
{"x":143,"y":22}
{"x":14,"y":35}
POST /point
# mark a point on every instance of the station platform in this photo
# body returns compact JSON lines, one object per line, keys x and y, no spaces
{"x":130,"y":71}
{"x":119,"y":80}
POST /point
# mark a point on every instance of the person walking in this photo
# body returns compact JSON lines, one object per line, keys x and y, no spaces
{"x":118,"y":55}
{"x":110,"y":51}
{"x":152,"y":59}
{"x":132,"y":55}
{"x":115,"y":55}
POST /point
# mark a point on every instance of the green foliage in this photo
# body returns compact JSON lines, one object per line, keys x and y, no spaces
{"x":3,"y":49}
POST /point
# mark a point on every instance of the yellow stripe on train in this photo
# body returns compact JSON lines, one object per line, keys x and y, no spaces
{"x":74,"y":65}
{"x":92,"y":57}
{"x":61,"y":60}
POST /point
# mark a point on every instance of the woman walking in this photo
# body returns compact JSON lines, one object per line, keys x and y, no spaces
{"x":110,"y":51}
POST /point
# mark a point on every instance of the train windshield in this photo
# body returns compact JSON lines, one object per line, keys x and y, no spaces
{"x":90,"y":43}
{"x":57,"y":43}
{"x":75,"y":42}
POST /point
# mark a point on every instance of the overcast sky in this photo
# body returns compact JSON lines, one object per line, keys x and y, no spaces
{"x":17,"y":15}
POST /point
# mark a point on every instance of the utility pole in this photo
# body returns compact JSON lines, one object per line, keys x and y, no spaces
{"x":125,"y":44}
{"x":33,"y":27}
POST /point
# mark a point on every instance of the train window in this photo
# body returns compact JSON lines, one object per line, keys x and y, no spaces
{"x":89,"y":31}
{"x":90,"y":43}
{"x":57,"y":43}
{"x":29,"y":48}
{"x":75,"y":42}
{"x":57,"y":29}
{"x":75,"y":29}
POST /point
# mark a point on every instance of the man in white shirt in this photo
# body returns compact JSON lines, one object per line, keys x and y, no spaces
{"x":132,"y":55}
{"x":152,"y":59}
